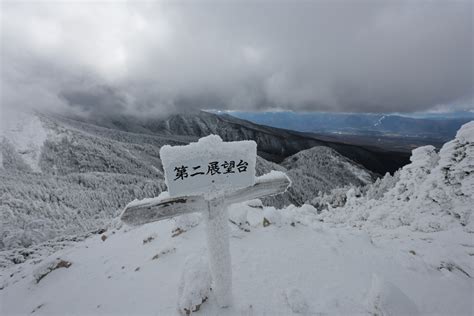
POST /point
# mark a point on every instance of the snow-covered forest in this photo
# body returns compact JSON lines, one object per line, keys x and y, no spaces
{"x":432,"y":193}
{"x":78,"y":176}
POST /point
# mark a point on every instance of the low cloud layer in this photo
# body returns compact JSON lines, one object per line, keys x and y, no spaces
{"x":161,"y":57}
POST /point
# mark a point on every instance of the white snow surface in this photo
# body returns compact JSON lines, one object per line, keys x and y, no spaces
{"x":296,"y":301}
{"x":384,"y":298}
{"x":466,"y":132}
{"x":301,"y":266}
{"x":274,"y":174}
{"x":195,"y":283}
{"x":26,"y":133}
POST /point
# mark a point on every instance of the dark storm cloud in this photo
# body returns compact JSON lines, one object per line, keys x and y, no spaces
{"x":158,"y":57}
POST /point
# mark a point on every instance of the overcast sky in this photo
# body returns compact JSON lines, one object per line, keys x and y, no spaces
{"x":159,"y":57}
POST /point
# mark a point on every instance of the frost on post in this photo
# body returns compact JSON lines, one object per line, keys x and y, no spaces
{"x":219,"y":251}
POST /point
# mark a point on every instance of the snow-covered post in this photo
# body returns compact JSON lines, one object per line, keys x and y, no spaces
{"x":206,"y":177}
{"x":217,"y":231}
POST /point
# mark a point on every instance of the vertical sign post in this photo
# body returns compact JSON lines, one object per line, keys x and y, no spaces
{"x":218,"y":246}
{"x":206,"y":177}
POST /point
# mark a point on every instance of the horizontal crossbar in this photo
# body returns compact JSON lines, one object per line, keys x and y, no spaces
{"x":156,"y":209}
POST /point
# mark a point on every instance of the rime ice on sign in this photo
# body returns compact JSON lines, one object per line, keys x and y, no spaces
{"x":209,"y":166}
{"x":206,"y":177}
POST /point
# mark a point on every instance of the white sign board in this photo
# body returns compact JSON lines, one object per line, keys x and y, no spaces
{"x":209,"y":166}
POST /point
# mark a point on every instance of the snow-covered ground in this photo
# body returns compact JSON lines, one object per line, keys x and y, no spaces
{"x":401,"y":246}
{"x":296,"y":264}
{"x":432,"y":193}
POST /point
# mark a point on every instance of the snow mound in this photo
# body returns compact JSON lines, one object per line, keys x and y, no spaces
{"x":185,"y":222}
{"x":434,"y":192}
{"x":247,"y":215}
{"x":466,"y":132}
{"x":386,"y":299}
{"x":49,"y":266}
{"x":424,"y":157}
{"x":194,"y":285}
{"x":290,"y":215}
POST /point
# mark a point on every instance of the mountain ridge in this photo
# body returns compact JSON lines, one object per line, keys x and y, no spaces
{"x":274,"y":144}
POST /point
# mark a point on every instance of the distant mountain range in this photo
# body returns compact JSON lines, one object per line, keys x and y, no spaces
{"x":434,"y":128}
{"x":274,"y":144}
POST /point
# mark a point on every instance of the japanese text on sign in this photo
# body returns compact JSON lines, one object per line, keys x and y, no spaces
{"x":208,"y":166}
{"x":213,"y":168}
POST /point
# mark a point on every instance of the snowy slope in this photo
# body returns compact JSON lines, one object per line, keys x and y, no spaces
{"x":434,"y":192}
{"x":320,"y":169}
{"x":297,"y":264}
{"x":84,"y":180}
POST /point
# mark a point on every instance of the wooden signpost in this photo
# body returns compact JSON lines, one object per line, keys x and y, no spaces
{"x":206,"y":177}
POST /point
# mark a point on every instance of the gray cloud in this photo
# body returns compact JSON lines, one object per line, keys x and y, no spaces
{"x":160,"y":57}
{"x":102,"y":98}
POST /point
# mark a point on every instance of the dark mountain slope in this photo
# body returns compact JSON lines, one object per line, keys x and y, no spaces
{"x":274,"y":144}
